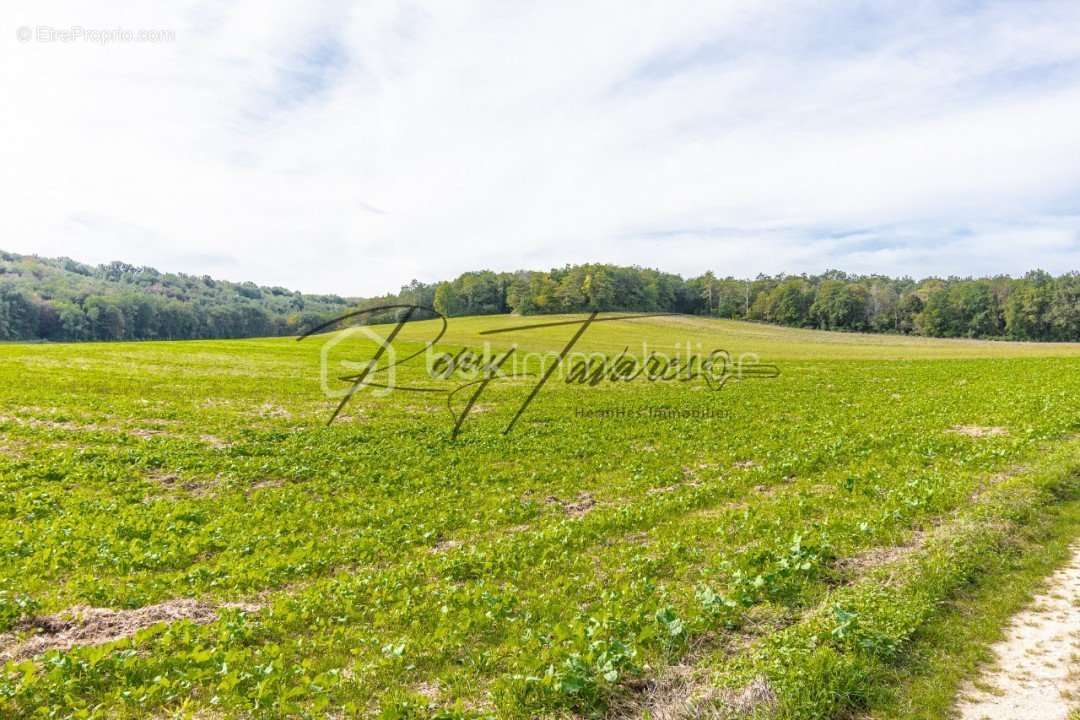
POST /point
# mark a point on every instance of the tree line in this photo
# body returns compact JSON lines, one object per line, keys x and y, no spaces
{"x":1037,"y":306}
{"x":60,"y":299}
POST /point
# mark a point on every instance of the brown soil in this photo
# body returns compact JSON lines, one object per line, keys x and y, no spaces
{"x":978,"y":431}
{"x":684,"y":694}
{"x":172,"y":481}
{"x":265,"y":484}
{"x":83,"y":625}
{"x":578,"y":508}
{"x":876,"y":557}
{"x":444,"y":545}
{"x":145,"y":433}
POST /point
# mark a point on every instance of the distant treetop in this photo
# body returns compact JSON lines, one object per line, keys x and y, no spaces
{"x":61,"y":299}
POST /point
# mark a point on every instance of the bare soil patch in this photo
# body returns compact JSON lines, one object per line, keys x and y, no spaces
{"x":578,"y":508}
{"x":172,"y":481}
{"x":683,"y":693}
{"x":978,"y":431}
{"x":687,"y":691}
{"x":427,"y":690}
{"x":265,"y":484}
{"x":445,"y":545}
{"x":662,"y":490}
{"x":84,"y":625}
{"x":12,"y":449}
{"x":44,"y":424}
{"x":214,"y":442}
{"x":875,"y":557}
{"x":145,"y":433}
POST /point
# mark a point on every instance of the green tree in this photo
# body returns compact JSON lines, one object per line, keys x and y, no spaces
{"x":446,"y":300}
{"x":789,"y":303}
{"x":1065,"y":307}
{"x":1027,"y":311}
{"x":937,"y":318}
{"x":840,"y":305}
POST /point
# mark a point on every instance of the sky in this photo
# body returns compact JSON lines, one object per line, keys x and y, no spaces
{"x":351,"y":147}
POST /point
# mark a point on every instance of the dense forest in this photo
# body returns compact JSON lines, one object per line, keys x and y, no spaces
{"x":1037,"y":306}
{"x":60,"y":299}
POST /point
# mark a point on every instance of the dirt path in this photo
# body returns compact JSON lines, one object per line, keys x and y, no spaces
{"x":1037,"y":675}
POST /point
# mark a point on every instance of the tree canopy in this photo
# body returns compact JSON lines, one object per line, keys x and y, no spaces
{"x":60,"y":299}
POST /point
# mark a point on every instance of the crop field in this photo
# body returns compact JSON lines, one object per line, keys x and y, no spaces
{"x":183,"y":535}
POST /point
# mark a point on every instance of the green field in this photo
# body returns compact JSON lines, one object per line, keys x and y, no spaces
{"x":781,"y":546}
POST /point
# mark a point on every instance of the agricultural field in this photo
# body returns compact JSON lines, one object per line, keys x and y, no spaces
{"x":182,"y":534}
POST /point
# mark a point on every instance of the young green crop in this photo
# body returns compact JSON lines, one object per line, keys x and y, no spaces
{"x":387,"y":569}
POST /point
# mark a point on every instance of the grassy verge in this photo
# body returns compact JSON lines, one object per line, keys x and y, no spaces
{"x":951,"y":648}
{"x":898,"y":643}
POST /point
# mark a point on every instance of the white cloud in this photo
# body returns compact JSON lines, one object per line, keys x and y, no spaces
{"x":351,"y":147}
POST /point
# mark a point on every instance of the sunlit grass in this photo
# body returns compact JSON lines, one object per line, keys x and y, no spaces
{"x":527,"y":574}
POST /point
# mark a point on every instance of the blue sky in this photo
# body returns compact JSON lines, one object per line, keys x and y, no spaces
{"x":350,"y":147}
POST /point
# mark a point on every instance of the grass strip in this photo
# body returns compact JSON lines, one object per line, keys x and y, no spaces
{"x":896,"y":629}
